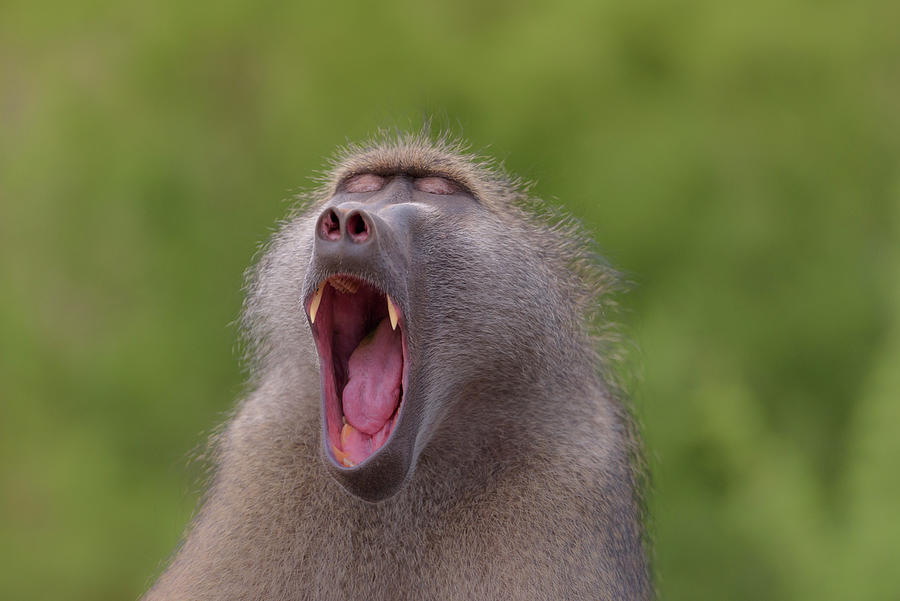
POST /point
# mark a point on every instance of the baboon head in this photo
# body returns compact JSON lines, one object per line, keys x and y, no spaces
{"x":432,"y":299}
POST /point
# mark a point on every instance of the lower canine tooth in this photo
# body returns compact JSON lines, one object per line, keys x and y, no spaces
{"x":342,"y":457}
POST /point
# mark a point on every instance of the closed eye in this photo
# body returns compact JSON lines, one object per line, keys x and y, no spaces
{"x":364,"y":182}
{"x":436,"y":185}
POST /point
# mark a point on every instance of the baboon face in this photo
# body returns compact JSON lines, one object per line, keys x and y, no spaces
{"x":385,"y":280}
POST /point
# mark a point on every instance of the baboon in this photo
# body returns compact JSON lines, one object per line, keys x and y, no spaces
{"x":430,"y":412}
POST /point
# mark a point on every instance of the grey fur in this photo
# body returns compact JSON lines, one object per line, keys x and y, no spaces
{"x":523,"y":485}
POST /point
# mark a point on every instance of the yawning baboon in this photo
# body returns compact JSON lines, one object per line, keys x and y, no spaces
{"x":430,"y":414}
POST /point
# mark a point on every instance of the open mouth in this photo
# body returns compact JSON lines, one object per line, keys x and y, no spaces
{"x":363,"y":363}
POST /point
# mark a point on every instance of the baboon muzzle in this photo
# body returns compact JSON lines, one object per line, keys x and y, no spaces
{"x":358,"y":284}
{"x":366,"y":240}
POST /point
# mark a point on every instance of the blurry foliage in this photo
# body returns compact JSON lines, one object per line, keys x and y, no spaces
{"x":740,"y":162}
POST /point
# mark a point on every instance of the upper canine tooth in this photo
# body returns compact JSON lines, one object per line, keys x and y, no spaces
{"x":314,"y":305}
{"x":392,"y":312}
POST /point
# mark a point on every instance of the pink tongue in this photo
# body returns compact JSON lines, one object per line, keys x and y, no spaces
{"x":373,"y":386}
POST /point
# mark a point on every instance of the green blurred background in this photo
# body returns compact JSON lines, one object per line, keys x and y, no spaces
{"x":741,"y":162}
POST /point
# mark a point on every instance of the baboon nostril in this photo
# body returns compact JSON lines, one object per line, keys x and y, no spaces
{"x":331,"y":226}
{"x":357,"y":228}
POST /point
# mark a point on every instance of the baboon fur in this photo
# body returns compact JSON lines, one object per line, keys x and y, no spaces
{"x":523,"y":486}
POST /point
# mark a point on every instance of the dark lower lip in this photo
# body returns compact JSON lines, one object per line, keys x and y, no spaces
{"x":332,"y":387}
